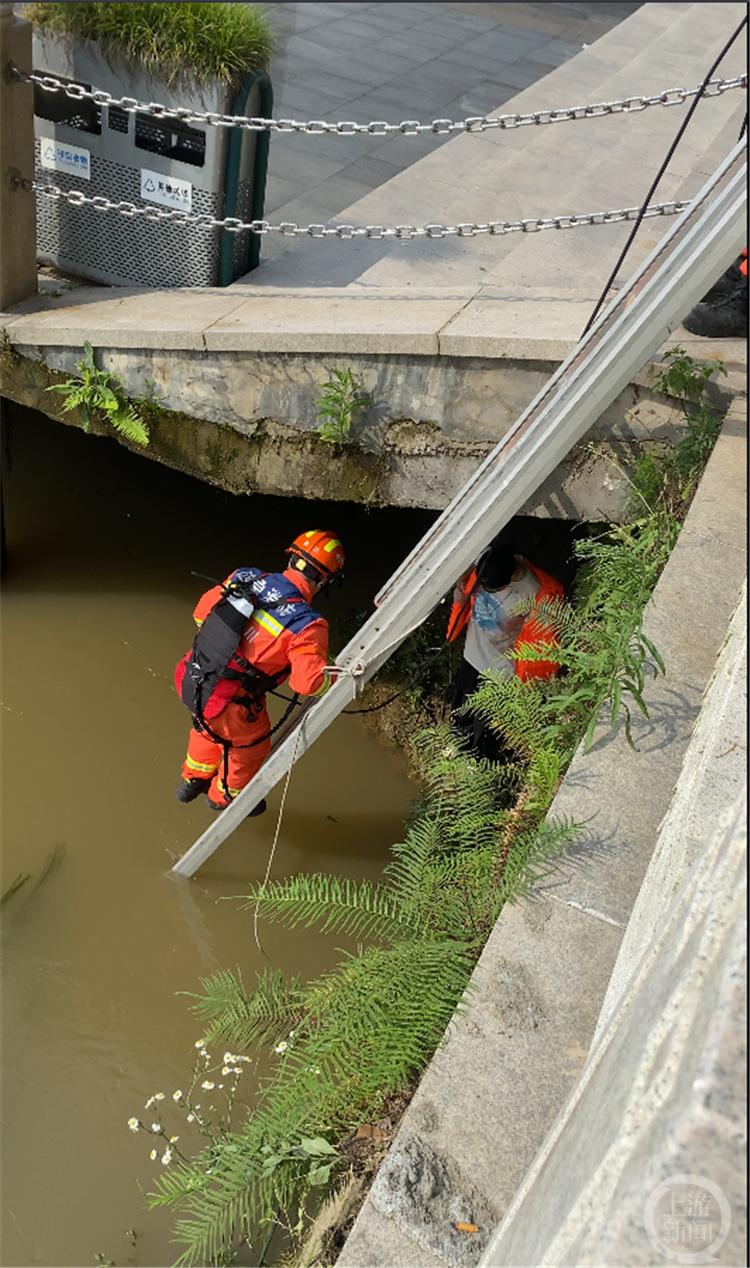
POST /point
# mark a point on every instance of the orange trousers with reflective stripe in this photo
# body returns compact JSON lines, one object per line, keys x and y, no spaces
{"x":205,"y":757}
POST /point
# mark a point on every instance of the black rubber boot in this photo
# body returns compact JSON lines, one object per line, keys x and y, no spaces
{"x":725,"y":318}
{"x":189,"y":789}
{"x":724,"y":284}
{"x":260,"y":809}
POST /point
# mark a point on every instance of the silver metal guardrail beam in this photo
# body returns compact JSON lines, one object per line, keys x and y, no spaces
{"x":692,"y":254}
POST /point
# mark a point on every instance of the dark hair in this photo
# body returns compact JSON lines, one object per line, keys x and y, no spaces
{"x":496,"y":567}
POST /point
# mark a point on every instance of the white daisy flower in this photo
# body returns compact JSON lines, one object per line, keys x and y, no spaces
{"x":208,"y":1085}
{"x":177,"y":1096}
{"x":166,"y":1157}
{"x":134,"y":1124}
{"x":281,"y":1047}
{"x":153,"y":1155}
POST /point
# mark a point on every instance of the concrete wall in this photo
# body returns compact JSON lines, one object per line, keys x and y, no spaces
{"x":245,"y":420}
{"x":663,"y":1091}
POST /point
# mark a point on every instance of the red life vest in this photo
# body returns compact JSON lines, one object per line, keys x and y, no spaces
{"x":533,"y":632}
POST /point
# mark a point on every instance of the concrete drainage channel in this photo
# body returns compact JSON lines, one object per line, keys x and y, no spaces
{"x":508,"y":1063}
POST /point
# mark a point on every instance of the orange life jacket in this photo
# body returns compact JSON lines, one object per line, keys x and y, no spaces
{"x":534,"y":631}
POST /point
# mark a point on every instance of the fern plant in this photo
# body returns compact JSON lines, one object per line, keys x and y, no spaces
{"x":95,"y":390}
{"x":338,"y":403}
{"x":363,"y":1031}
{"x":229,"y":1013}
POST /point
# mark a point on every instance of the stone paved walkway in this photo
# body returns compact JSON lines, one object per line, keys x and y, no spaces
{"x":397,"y":61}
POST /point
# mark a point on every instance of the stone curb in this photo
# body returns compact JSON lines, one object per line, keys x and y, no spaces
{"x":447,"y":322}
{"x":507,"y":1064}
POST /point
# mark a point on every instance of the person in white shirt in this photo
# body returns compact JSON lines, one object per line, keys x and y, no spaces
{"x":494,"y":603}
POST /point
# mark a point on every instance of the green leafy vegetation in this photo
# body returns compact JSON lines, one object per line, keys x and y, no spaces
{"x":97,"y":391}
{"x":338,"y":403}
{"x":193,"y":42}
{"x":344,"y":1043}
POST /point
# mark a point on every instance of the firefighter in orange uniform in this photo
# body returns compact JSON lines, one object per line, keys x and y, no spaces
{"x":255,"y":632}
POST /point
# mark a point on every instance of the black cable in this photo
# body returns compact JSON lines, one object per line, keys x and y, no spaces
{"x":373,"y":708}
{"x":659,"y":175}
{"x":743,"y":129}
{"x":450,"y":634}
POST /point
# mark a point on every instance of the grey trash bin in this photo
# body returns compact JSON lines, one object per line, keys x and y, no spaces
{"x":141,"y":159}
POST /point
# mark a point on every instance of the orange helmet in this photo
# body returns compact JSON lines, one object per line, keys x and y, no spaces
{"x":323,"y":550}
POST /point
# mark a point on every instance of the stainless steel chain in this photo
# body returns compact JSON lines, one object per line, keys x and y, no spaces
{"x":378,"y":127}
{"x":495,"y":228}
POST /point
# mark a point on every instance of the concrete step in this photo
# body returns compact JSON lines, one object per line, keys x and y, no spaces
{"x":594,"y":164}
{"x":660,"y":45}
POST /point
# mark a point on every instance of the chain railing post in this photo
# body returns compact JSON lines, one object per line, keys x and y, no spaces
{"x":17,"y":205}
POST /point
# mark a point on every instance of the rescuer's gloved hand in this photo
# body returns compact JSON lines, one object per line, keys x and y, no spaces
{"x":324,"y":686}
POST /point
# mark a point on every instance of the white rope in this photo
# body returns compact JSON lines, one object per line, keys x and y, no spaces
{"x":275,"y":841}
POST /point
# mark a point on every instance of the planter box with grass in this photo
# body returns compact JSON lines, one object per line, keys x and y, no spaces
{"x":209,"y":57}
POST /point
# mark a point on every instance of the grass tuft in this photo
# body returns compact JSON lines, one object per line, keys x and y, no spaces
{"x":186,"y":41}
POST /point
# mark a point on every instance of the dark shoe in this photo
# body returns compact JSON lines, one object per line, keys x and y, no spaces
{"x":189,"y":789}
{"x":724,"y":284}
{"x":260,"y":809}
{"x":726,"y":318}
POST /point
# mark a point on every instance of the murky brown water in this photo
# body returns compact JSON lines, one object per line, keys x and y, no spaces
{"x":97,"y":608}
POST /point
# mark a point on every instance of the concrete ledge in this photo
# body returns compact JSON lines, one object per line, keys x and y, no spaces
{"x":503,"y":324}
{"x":520,"y":324}
{"x":118,"y":318}
{"x":363,"y":323}
{"x":507,"y":1065}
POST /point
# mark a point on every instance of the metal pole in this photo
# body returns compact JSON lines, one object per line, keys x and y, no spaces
{"x":17,"y":206}
{"x":701,"y":244}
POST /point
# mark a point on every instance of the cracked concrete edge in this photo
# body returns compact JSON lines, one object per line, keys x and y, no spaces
{"x":508,"y":1063}
{"x":450,"y":322}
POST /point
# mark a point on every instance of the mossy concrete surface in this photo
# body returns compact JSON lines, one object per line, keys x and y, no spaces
{"x":246,"y":422}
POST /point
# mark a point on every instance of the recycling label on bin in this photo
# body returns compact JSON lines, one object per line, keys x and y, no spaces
{"x":58,"y":157}
{"x":167,"y":190}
